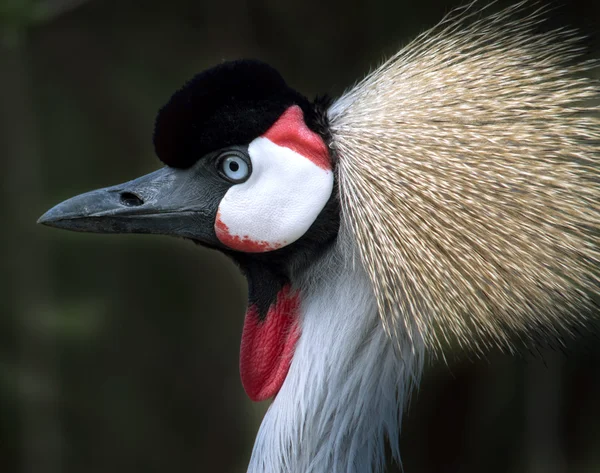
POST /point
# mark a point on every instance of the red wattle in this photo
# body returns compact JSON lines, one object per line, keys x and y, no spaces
{"x":290,"y":131}
{"x":268,"y":346}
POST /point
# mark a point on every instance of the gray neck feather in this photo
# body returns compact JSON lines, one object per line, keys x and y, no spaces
{"x":348,"y":382}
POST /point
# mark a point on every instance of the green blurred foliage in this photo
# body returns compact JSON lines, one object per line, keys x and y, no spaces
{"x":119,"y":353}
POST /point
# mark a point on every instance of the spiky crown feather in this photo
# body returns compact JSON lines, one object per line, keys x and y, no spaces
{"x":468,"y":169}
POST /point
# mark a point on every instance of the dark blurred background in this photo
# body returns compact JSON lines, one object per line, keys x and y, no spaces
{"x":120,"y":353}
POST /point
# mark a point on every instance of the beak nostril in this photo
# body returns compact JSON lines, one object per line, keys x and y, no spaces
{"x":131,"y":200}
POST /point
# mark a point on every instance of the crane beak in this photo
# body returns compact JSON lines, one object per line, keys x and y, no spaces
{"x":165,"y":202}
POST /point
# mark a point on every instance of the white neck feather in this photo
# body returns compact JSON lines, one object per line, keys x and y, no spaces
{"x":348,"y":382}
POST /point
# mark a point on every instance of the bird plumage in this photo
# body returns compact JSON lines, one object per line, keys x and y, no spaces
{"x":450,"y":196}
{"x":468,"y":173}
{"x":343,"y":397}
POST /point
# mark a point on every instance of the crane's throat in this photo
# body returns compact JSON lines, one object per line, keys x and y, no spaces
{"x":268,"y":343}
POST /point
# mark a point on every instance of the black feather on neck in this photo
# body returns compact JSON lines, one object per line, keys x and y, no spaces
{"x":268,"y":272}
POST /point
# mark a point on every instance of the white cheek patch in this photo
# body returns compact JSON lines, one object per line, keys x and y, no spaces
{"x":277,"y":204}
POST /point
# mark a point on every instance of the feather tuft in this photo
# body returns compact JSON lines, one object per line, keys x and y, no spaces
{"x":469,"y":171}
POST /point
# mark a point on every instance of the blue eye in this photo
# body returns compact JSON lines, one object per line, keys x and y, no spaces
{"x":235,"y":167}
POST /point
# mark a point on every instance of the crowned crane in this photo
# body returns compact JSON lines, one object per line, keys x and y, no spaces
{"x":450,"y":197}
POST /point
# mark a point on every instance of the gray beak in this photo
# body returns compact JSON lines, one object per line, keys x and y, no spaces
{"x":165,"y":202}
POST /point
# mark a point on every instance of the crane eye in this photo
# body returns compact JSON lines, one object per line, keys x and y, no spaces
{"x":235,"y":167}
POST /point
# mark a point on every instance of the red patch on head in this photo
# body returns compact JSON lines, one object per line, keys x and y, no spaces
{"x":268,"y":346}
{"x":242,"y":243}
{"x":291,"y":132}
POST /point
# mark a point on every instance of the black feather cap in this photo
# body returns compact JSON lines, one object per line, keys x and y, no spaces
{"x":229,"y":104}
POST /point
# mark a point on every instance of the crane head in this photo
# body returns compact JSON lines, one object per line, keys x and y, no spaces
{"x":247,"y":167}
{"x":248,"y":172}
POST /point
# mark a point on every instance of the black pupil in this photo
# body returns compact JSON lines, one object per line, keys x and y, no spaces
{"x":233,"y":166}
